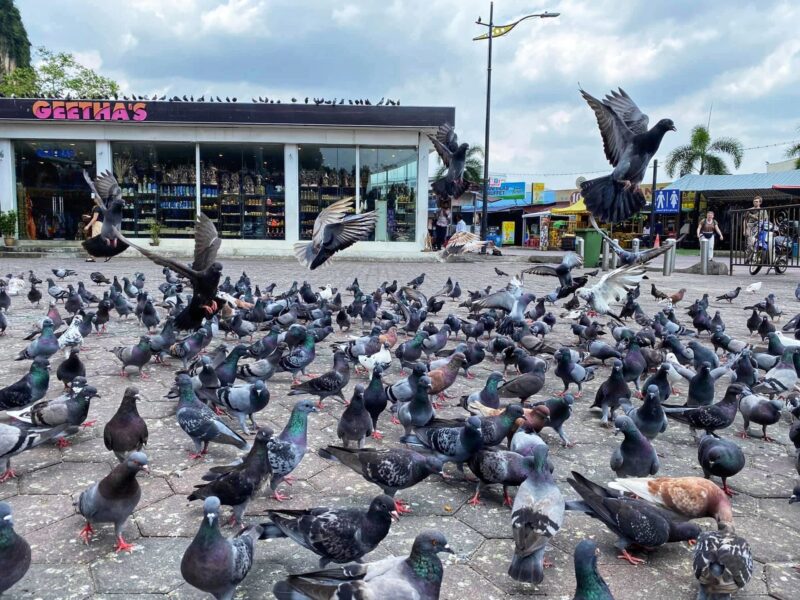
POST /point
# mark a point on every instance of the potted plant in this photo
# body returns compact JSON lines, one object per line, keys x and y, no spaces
{"x":8,"y":226}
{"x":155,"y":233}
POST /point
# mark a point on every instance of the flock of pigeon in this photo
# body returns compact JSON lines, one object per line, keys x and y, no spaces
{"x":211,"y":98}
{"x":220,"y":393}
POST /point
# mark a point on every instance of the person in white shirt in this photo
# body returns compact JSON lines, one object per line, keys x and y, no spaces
{"x":461,"y":225}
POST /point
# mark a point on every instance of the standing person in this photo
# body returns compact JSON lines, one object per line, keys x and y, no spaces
{"x":461,"y":225}
{"x":707,"y":228}
{"x":93,"y":227}
{"x":442,"y":222}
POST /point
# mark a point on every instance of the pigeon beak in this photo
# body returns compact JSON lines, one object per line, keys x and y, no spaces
{"x":792,"y":500}
{"x":617,"y":431}
{"x":673,"y":128}
{"x":10,"y":518}
{"x":395,"y":516}
{"x":447,"y":548}
{"x":146,"y":469}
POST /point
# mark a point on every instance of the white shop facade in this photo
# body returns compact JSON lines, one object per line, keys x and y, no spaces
{"x":261,"y":172}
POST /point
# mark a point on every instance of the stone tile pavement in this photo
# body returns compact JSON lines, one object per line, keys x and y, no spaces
{"x":165,"y":521}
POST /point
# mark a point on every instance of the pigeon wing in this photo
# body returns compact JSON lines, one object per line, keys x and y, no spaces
{"x":206,"y":243}
{"x":626,"y":108}
{"x":614,"y":286}
{"x":162,"y":261}
{"x":447,"y":136}
{"x":615,"y":133}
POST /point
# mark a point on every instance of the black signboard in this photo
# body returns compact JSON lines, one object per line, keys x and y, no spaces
{"x":227,"y":113}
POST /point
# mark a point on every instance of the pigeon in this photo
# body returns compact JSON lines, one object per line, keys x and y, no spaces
{"x":71,"y":339}
{"x":628,"y":146}
{"x":722,"y":458}
{"x":453,"y":155}
{"x":134,"y":356}
{"x":392,"y":470}
{"x":243,"y":401}
{"x":761,"y":411}
{"x":113,"y":499}
{"x":289,"y":448}
{"x":32,"y":387}
{"x":418,"y":575}
{"x":536,"y":517}
{"x":213,"y":563}
{"x":649,"y":418}
{"x":204,"y":273}
{"x":753,"y":287}
{"x":418,"y":411}
{"x":560,"y":410}
{"x":501,"y":273}
{"x":339,"y":535}
{"x":264,"y":368}
{"x":526,"y":385}
{"x":199,"y":422}
{"x":710,"y":418}
{"x":186,"y":350}
{"x":44,"y":346}
{"x":226,"y":371}
{"x":731,"y":295}
{"x":611,"y":288}
{"x":492,"y":465}
{"x":34,"y":295}
{"x":635,"y":456}
{"x":237,"y":486}
{"x":563,"y":271}
{"x":589,"y":585}
{"x":781,"y":378}
{"x":328,"y":384}
{"x":628,"y":257}
{"x":300,"y":357}
{"x":692,"y":497}
{"x":63,"y":273}
{"x":334,"y":230}
{"x":489,"y":395}
{"x":634,"y":522}
{"x":355,"y":424}
{"x":55,"y":291}
{"x":610,"y":392}
{"x":70,"y":368}
{"x":570,"y":372}
{"x":15,"y":553}
{"x":723,"y":563}
{"x":16,"y":439}
{"x":126,"y":431}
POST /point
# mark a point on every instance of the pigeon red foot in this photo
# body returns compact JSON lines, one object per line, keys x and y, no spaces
{"x":401,"y":507}
{"x":630,"y":558}
{"x":728,"y":491}
{"x":122,"y":546}
{"x":377,"y":435}
{"x":86,"y":533}
{"x":276,"y":495}
{"x":475,"y":500}
{"x":9,"y":474}
{"x":63,"y":443}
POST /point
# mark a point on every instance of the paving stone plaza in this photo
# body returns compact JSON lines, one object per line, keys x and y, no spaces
{"x":164,"y":522}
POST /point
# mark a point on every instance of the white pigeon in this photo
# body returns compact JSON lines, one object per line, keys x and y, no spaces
{"x":754,"y":287}
{"x":71,"y":339}
{"x":382,"y":357}
{"x":612,"y":288}
{"x":326,"y":293}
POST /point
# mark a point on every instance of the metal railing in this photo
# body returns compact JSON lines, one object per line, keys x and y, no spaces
{"x":765,"y":239}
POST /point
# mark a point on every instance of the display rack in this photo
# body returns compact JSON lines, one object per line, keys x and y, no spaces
{"x":259,"y":215}
{"x":173,"y":205}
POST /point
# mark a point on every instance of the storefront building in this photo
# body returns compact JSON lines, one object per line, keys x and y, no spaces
{"x":261,"y":172}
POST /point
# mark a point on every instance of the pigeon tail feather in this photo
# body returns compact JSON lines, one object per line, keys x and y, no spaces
{"x":610,"y":201}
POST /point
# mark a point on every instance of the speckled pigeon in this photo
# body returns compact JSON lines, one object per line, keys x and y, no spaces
{"x":289,"y":448}
{"x":723,"y":564}
{"x":328,"y":384}
{"x":243,"y":401}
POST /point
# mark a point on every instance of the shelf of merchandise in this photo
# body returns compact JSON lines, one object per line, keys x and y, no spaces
{"x":172,"y":204}
{"x":238,"y":215}
{"x":314,"y":199}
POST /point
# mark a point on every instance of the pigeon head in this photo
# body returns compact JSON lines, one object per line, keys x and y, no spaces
{"x":47,"y":321}
{"x":137,"y":461}
{"x":430,"y":542}
{"x":666,"y":125}
{"x":211,"y":510}
{"x":384,"y":504}
{"x":459,"y":358}
{"x":182,"y":380}
{"x":377,"y":371}
{"x":78,"y":383}
{"x":131,"y":392}
{"x":41,"y":362}
{"x":537,"y":460}
{"x":264,"y":434}
{"x":6,"y":520}
{"x":624,"y":424}
{"x":515,"y":411}
{"x":586,"y":554}
{"x":305,"y":406}
{"x":424,"y":382}
{"x":473,"y":423}
{"x":617,"y":364}
{"x":652,"y":391}
{"x":495,"y":376}
{"x":217,"y":267}
{"x":259,"y":386}
{"x":90,"y":392}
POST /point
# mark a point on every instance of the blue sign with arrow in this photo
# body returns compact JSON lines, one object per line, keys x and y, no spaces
{"x":667,"y":202}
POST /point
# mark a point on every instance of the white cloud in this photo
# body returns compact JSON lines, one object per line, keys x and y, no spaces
{"x":89,"y":58}
{"x":345,"y":15}
{"x":235,"y":16}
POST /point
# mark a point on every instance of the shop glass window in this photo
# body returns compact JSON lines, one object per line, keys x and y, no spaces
{"x":158,"y":185}
{"x":326,"y":174}
{"x":242,"y":189}
{"x":53,"y":198}
{"x":389,"y":187}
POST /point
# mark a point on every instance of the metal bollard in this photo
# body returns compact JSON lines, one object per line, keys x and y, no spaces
{"x":604,"y":261}
{"x":704,"y":256}
{"x":669,"y":259}
{"x":635,"y":244}
{"x":674,"y":253}
{"x":579,"y":247}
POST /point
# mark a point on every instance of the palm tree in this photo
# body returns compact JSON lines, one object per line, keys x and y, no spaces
{"x":794,"y":152}
{"x":474,"y":166}
{"x":703,"y":156}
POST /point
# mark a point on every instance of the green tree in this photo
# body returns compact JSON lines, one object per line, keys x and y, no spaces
{"x":704,"y":156}
{"x":473,"y":169}
{"x":57,"y":74}
{"x":794,"y":152}
{"x":14,"y":44}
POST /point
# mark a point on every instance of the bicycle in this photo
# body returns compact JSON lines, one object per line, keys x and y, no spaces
{"x":768,"y":250}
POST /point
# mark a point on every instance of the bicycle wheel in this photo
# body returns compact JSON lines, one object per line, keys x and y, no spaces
{"x":756,"y":261}
{"x":780,"y":265}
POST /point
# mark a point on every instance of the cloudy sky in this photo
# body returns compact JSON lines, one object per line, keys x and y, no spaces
{"x":674,"y":58}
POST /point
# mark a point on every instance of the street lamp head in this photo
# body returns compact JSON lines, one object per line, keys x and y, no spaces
{"x":548,"y":15}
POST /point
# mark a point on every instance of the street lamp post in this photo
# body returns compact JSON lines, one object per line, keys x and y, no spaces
{"x":493,"y":33}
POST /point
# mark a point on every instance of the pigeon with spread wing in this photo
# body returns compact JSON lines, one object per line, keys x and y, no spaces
{"x":107,"y":196}
{"x":629,"y":145}
{"x":454,"y":156}
{"x":461,"y":242}
{"x":563,"y":271}
{"x":204,"y":273}
{"x":639,"y":257}
{"x":612,"y":288}
{"x":334,"y":230}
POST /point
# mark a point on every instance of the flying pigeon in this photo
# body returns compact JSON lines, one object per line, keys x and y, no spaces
{"x":628,"y":146}
{"x":454,"y":156}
